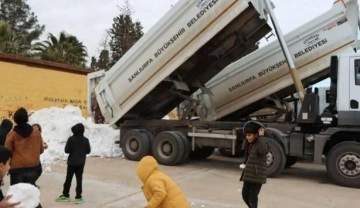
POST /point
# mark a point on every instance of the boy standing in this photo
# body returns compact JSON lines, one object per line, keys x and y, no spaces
{"x":5,"y":155}
{"x":78,"y":147}
{"x":254,"y":174}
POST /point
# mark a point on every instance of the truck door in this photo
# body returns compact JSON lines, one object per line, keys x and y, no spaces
{"x":348,"y":96}
{"x":355,"y":85}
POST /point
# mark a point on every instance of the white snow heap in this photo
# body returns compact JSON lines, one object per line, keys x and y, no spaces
{"x":27,"y":194}
{"x":56,"y":126}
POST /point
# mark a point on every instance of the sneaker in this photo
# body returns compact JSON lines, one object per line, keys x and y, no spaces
{"x":63,"y":198}
{"x":79,"y":200}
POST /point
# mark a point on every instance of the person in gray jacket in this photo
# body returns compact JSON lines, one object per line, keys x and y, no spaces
{"x":254,"y":173}
{"x":78,"y":146}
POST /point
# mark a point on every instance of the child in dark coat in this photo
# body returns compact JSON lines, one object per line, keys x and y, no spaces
{"x":5,"y":128}
{"x":5,"y":156}
{"x":254,"y":174}
{"x":78,"y":147}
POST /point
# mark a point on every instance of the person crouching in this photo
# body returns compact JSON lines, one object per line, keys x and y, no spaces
{"x":159,"y":189}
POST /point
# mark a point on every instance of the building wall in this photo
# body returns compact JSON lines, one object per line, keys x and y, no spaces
{"x":36,"y":86}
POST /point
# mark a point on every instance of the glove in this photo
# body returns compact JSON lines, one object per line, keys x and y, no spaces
{"x":242,"y":166}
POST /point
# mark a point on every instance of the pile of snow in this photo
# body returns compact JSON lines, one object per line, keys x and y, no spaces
{"x":56,"y":126}
{"x":27,"y":194}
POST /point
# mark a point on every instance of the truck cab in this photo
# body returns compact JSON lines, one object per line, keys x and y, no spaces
{"x":333,"y":136}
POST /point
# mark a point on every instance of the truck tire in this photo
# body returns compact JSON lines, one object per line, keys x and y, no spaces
{"x":276,"y":159}
{"x":135,"y":144}
{"x":343,"y":164}
{"x":187,"y":147}
{"x":168,"y":148}
{"x":201,"y":153}
{"x":290,"y":161}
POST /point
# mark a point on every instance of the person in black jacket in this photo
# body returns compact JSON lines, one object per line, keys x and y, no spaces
{"x":5,"y":128}
{"x":254,"y":173}
{"x":5,"y":156}
{"x":78,"y":147}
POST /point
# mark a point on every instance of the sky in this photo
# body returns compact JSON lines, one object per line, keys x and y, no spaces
{"x":89,"y":19}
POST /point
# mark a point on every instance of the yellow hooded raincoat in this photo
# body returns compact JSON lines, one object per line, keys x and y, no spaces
{"x":159,"y":189}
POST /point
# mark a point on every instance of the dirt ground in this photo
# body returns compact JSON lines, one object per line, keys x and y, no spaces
{"x":211,"y":183}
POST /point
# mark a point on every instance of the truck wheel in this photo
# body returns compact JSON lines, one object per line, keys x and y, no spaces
{"x":290,"y":161}
{"x":135,"y":144}
{"x":201,"y":153}
{"x":343,"y":164}
{"x":168,"y":148}
{"x":275,"y":158}
{"x":187,"y":147}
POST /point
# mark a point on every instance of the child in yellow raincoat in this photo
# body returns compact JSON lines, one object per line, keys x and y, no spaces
{"x":159,"y":189}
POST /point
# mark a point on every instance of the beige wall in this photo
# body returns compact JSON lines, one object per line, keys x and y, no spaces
{"x":35,"y":87}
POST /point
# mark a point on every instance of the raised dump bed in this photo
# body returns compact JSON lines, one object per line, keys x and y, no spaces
{"x":184,"y":50}
{"x":242,"y":87}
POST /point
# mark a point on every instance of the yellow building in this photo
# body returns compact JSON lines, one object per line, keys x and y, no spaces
{"x":36,"y":84}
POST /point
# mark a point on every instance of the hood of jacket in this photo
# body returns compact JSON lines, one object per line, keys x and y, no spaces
{"x":6,"y":125}
{"x":78,"y":129}
{"x":146,"y":167}
{"x":23,"y":130}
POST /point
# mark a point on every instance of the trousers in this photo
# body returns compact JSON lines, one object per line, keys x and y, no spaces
{"x":78,"y":171}
{"x":250,"y":193}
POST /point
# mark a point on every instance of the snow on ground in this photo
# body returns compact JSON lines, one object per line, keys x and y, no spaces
{"x":56,"y":126}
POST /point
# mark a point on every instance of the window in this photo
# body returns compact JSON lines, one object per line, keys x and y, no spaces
{"x":357,"y":71}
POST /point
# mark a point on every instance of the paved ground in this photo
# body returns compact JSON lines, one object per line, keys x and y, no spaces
{"x":212,"y":183}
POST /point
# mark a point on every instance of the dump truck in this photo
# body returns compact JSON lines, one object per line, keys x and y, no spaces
{"x":198,"y":56}
{"x":322,"y":48}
